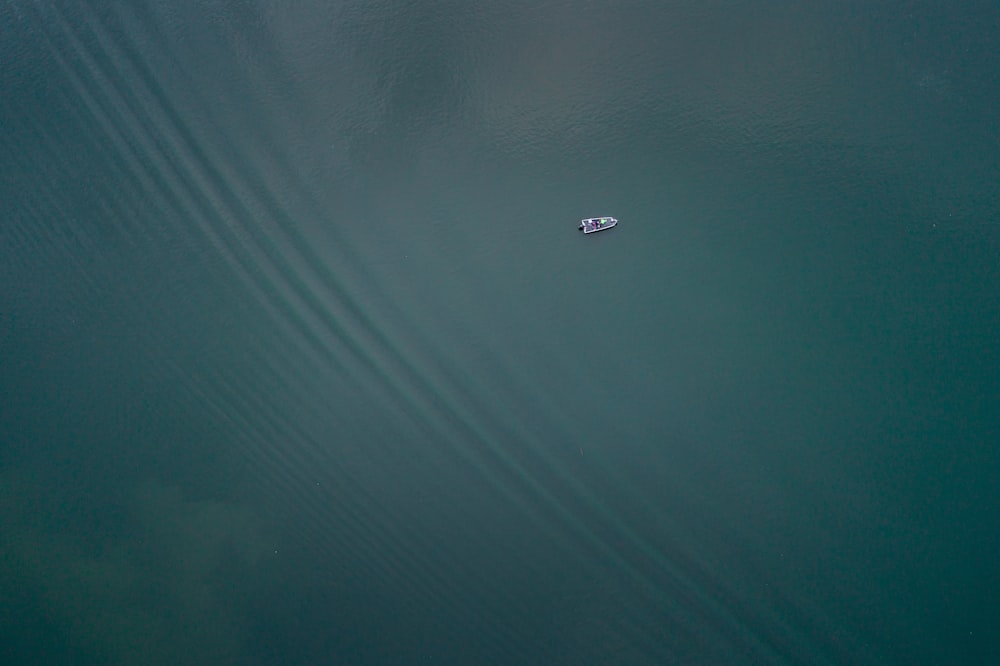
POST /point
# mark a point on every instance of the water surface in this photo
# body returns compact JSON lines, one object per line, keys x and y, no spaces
{"x":304,"y":361}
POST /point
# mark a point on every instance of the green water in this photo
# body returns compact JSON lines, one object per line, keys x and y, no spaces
{"x":303,"y":359}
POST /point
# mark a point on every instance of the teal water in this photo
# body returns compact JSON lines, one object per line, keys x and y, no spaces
{"x":302,"y":359}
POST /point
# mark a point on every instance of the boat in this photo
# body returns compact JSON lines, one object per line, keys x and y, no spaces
{"x":592,"y":224}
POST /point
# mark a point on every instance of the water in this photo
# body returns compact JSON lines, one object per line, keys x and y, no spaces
{"x":304,"y":361}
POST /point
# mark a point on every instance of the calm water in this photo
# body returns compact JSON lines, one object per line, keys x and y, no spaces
{"x":303,"y":361}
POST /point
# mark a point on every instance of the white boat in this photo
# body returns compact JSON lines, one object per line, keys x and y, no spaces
{"x":592,"y":224}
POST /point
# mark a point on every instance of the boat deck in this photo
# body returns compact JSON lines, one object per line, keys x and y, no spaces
{"x":593,"y":224}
